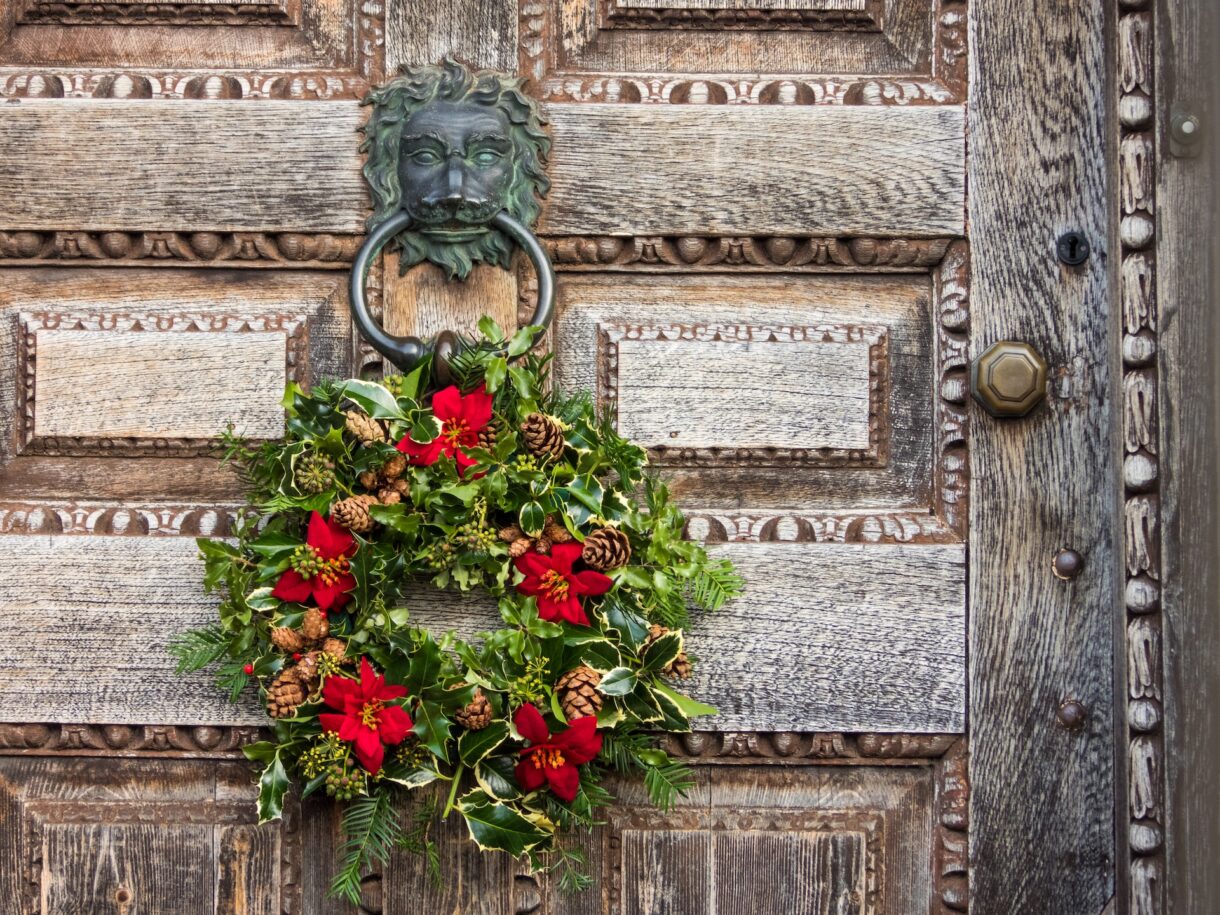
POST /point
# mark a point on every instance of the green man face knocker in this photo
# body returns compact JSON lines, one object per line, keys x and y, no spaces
{"x":455,"y":167}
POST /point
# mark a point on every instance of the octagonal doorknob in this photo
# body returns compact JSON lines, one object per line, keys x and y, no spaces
{"x":1009,"y":378}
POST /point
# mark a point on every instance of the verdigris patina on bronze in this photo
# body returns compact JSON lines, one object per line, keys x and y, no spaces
{"x":453,"y":147}
{"x":455,"y":165}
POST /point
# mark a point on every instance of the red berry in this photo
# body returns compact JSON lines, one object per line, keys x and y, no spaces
{"x":249,"y":669}
{"x":296,"y":656}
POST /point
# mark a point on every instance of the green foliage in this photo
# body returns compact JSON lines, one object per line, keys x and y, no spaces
{"x":442,"y":531}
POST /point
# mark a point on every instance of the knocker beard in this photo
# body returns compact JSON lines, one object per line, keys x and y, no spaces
{"x":456,"y":257}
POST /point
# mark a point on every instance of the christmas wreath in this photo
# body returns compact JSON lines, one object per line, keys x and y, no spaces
{"x":493,"y":484}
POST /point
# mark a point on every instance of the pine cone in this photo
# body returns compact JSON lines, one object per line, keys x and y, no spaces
{"x":488,"y":435}
{"x":286,"y":639}
{"x":606,"y":548}
{"x":388,"y":496}
{"x":680,"y":668}
{"x":370,"y":479}
{"x":353,"y":513}
{"x":363,"y":427}
{"x":543,"y":435}
{"x":475,"y":715}
{"x":521,"y":543}
{"x":284,"y":694}
{"x":578,"y":695}
{"x":336,"y":648}
{"x":307,"y":673}
{"x":394,"y":467}
{"x":314,"y":626}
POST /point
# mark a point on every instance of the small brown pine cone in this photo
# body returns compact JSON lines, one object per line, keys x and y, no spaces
{"x":389,"y":496}
{"x":314,"y":626}
{"x":543,"y":435}
{"x":353,"y":513}
{"x":394,"y":467}
{"x":336,"y":648}
{"x":542,"y":544}
{"x":370,"y":479}
{"x":475,"y":715}
{"x":488,"y":435}
{"x":307,"y":673}
{"x":680,"y":668}
{"x":578,"y":695}
{"x":286,"y":639}
{"x":519,"y":547}
{"x":284,"y":694}
{"x":363,"y":427}
{"x":555,"y":531}
{"x":606,"y":548}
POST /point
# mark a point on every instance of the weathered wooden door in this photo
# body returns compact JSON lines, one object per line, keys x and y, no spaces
{"x":770,"y":268}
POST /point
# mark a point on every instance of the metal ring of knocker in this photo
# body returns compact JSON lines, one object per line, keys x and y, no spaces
{"x":405,"y":352}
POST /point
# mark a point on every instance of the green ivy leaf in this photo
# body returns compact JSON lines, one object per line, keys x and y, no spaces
{"x":396,"y":517}
{"x":495,"y":826}
{"x":272,"y":786}
{"x":618,"y":682}
{"x":494,"y":374}
{"x":372,"y":398}
{"x":473,"y":746}
{"x":522,"y":340}
{"x":490,"y":329}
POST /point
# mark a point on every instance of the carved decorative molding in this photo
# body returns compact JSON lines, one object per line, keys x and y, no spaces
{"x":296,"y":359}
{"x":117,"y":520}
{"x":952,"y":323}
{"x":83,"y":12}
{"x":951,"y":854}
{"x":618,"y":15}
{"x":181,"y":249}
{"x":1137,"y":275}
{"x":610,"y":335}
{"x":942,"y":80}
{"x":810,"y":527}
{"x":311,"y":85}
{"x":125,"y":740}
{"x":795,"y":747}
{"x":767,"y":253}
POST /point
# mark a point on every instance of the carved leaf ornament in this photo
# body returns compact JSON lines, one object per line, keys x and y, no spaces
{"x":491,"y":485}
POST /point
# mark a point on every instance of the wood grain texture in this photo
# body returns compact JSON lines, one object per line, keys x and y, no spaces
{"x":674,"y":170}
{"x":220,"y":166}
{"x":591,"y":310}
{"x":725,"y":394}
{"x":482,"y":33}
{"x":1184,"y":71}
{"x":100,"y":383}
{"x":422,"y":302}
{"x":1041,"y":810}
{"x":874,"y":633}
{"x":87,"y":633}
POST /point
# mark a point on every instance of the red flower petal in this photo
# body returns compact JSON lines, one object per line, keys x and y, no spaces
{"x":350,"y":729}
{"x":590,"y":582}
{"x":292,"y":587}
{"x":394,"y":724}
{"x":476,"y":408}
{"x":369,"y":750}
{"x":530,"y":724}
{"x":421,"y":454}
{"x":580,"y":742}
{"x":332,"y":723}
{"x":564,"y":781}
{"x":447,"y":404}
{"x":563,"y":555}
{"x":329,"y":538}
{"x":574,"y":613}
{"x":529,"y":776}
{"x":534,"y":564}
{"x":390,"y":691}
{"x":549,"y":610}
{"x":336,"y":690}
{"x":334,"y":594}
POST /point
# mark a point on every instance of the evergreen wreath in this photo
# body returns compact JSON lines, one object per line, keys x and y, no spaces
{"x":494,"y":484}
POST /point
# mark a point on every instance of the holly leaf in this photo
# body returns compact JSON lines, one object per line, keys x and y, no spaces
{"x":495,"y":776}
{"x":531,"y":518}
{"x":688,"y":706}
{"x":631,"y":627}
{"x":263,"y":751}
{"x":588,"y":491}
{"x":425,"y":667}
{"x":497,"y":827}
{"x":658,"y":655}
{"x":432,"y":728}
{"x":272,"y":786}
{"x":473,"y":746}
{"x":396,"y":517}
{"x":414,"y":778}
{"x":618,"y":682}
{"x":372,"y":398}
{"x":274,"y":544}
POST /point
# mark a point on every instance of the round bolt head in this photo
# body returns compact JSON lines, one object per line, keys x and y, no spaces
{"x":1009,"y":379}
{"x":1067,"y":564}
{"x":1072,"y":714}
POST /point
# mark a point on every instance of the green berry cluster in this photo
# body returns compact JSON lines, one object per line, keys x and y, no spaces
{"x":315,"y":473}
{"x":526,"y":463}
{"x":475,"y":536}
{"x":323,"y":754}
{"x":440,"y":556}
{"x":530,"y":687}
{"x":393,"y":383}
{"x":306,"y":561}
{"x":342,"y":784}
{"x":412,"y":754}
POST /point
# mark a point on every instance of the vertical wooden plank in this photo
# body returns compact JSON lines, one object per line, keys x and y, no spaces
{"x":422,"y":302}
{"x":1041,"y":809}
{"x":482,"y":33}
{"x":1187,"y":290}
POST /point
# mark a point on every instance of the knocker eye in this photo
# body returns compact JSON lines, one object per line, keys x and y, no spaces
{"x":485,"y":158}
{"x":425,"y":157}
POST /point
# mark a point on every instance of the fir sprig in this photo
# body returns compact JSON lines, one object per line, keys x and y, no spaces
{"x":371,"y":829}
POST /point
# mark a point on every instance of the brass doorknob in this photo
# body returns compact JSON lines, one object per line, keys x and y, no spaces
{"x":1009,"y":379}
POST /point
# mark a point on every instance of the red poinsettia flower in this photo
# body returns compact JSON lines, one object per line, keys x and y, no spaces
{"x":319,"y":567}
{"x":461,"y":420}
{"x":557,"y":587}
{"x":552,"y":760}
{"x":364,"y":718}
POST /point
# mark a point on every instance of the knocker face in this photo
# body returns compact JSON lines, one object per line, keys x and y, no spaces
{"x":454,"y":146}
{"x":455,"y":166}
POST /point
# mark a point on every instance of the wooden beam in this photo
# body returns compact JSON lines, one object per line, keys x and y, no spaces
{"x":1041,"y":815}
